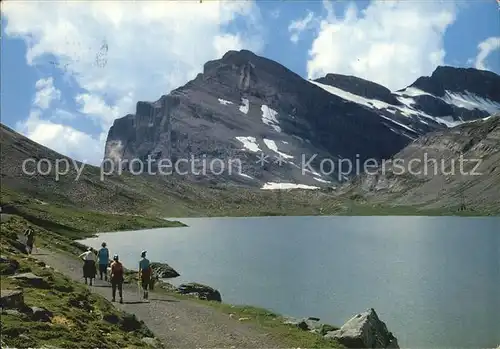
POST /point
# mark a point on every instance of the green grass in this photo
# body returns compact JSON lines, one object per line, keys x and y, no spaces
{"x":274,"y":325}
{"x":80,"y":319}
{"x":264,"y":320}
{"x":74,"y":222}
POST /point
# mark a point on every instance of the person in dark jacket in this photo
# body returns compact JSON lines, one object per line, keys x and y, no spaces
{"x":29,"y":233}
{"x":89,"y":268}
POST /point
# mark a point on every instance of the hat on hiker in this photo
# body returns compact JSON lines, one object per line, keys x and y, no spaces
{"x":103,"y":244}
{"x":115,"y":257}
{"x":143,"y":253}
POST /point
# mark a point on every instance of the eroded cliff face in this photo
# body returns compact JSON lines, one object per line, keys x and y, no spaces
{"x":243,"y":105}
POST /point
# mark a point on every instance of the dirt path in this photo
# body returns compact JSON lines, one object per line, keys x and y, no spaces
{"x":177,"y":323}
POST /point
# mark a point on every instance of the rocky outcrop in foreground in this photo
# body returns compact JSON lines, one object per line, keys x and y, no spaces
{"x":164,"y":271}
{"x":200,"y":291}
{"x":364,"y":330}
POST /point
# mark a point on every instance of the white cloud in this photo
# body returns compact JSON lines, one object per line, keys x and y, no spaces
{"x":46,"y":93}
{"x":63,"y":139}
{"x":121,"y":52}
{"x":485,"y":48}
{"x":298,"y":26}
{"x":61,"y":114}
{"x":225,"y":42}
{"x":390,"y":42}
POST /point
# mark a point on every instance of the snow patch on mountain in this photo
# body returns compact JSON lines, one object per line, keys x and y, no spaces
{"x":408,"y":103}
{"x":246,"y":106}
{"x":272,"y":145}
{"x":245,"y":175}
{"x":249,"y":143}
{"x":412,"y":92}
{"x":399,"y":124}
{"x":471,"y":101}
{"x":224,"y":102}
{"x":321,"y":180}
{"x":274,"y":186}
{"x":269,"y":117}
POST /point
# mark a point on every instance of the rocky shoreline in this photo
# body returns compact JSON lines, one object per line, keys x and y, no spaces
{"x":363,"y":330}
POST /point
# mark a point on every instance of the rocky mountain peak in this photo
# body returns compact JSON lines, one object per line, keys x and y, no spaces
{"x":446,"y":79}
{"x":243,"y":105}
{"x":359,"y":86}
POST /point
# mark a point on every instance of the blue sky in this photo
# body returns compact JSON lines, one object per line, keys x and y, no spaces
{"x":68,"y":71}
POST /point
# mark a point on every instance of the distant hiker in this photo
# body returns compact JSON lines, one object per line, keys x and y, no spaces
{"x":89,"y":267}
{"x":144,"y":273}
{"x":117,"y":278}
{"x":103,"y":257}
{"x":29,"y":233}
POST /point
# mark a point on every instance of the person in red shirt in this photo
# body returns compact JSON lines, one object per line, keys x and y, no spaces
{"x":116,"y":278}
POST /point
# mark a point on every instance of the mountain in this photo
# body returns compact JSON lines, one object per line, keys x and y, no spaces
{"x":85,"y":187}
{"x":457,"y":168}
{"x":244,"y":104}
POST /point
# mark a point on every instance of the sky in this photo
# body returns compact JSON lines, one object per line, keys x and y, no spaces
{"x":69,"y":69}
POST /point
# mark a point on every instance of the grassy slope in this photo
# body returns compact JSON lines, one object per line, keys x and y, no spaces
{"x":80,"y":319}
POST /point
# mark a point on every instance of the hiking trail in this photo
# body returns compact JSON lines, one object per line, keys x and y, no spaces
{"x":177,"y":323}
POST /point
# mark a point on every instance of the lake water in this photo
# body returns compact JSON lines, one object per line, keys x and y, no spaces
{"x":435,"y":281}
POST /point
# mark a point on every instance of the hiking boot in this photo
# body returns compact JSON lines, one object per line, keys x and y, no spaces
{"x":121,"y":301}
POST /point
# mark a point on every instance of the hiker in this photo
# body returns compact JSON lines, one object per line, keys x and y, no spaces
{"x":144,"y":273}
{"x":29,"y":233}
{"x":89,"y":268}
{"x":116,"y":278}
{"x":103,"y":257}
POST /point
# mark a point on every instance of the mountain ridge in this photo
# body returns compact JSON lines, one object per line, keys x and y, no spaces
{"x":243,"y":104}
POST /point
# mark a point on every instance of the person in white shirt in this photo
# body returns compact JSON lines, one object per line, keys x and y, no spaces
{"x":89,"y":267}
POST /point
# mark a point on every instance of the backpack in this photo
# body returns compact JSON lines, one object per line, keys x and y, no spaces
{"x":117,"y":270}
{"x":104,"y":255}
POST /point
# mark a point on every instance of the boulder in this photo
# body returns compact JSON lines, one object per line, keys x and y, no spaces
{"x":311,"y":324}
{"x":31,"y":280}
{"x":200,"y":291}
{"x":151,"y":342}
{"x":300,"y":323}
{"x":41,"y":314}
{"x":12,"y":299}
{"x":164,"y":271}
{"x":8,"y":266}
{"x":364,"y":330}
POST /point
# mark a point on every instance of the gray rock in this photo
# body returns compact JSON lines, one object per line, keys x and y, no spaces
{"x":164,"y":271}
{"x":12,"y":312}
{"x":30,"y":279}
{"x":152,"y":342}
{"x":300,"y":323}
{"x":12,"y":299}
{"x":310,"y":324}
{"x":8,"y":266}
{"x":365,"y":330}
{"x":200,"y":291}
{"x":41,"y":314}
